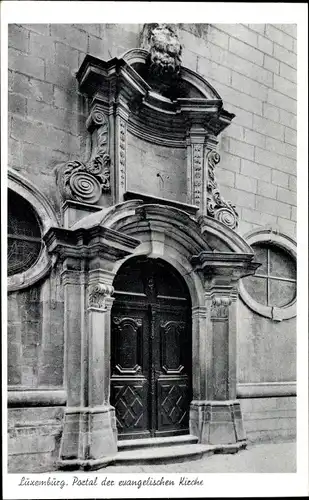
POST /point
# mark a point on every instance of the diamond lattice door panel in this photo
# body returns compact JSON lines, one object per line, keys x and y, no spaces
{"x":151,"y":351}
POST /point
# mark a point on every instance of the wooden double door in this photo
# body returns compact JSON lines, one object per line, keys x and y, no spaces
{"x":151,"y":351}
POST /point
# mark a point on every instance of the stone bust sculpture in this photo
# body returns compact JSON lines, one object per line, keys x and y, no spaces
{"x":164,"y":59}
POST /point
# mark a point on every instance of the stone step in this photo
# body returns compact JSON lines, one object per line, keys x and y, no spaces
{"x":133,"y":444}
{"x":164,"y":454}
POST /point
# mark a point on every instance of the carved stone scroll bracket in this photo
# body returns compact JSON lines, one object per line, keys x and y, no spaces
{"x":217,"y":206}
{"x":98,"y":294}
{"x":86,"y":181}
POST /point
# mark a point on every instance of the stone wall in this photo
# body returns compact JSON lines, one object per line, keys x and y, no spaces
{"x":253,"y":67}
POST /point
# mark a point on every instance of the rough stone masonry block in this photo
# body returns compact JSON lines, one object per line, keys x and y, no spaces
{"x":61,"y":76}
{"x":268,"y":128}
{"x":42,"y":46}
{"x":254,"y":138}
{"x":251,"y":169}
{"x":287,"y":226}
{"x":271,"y":64}
{"x":279,"y":178}
{"x":17,"y":104}
{"x":290,"y":136}
{"x":225,"y":177}
{"x":265,"y":45}
{"x":38,"y":28}
{"x":285,"y":56}
{"x":267,"y":189}
{"x":287,"y":196}
{"x":279,"y":37}
{"x":246,"y":183}
{"x":238,"y":197}
{"x":210,"y":69}
{"x":44,"y":135}
{"x":282,"y":101}
{"x":18,"y":37}
{"x":285,"y":86}
{"x":71,"y":36}
{"x":240,"y":32}
{"x":256,"y":217}
{"x":249,"y":86}
{"x":32,"y":88}
{"x":281,"y":148}
{"x":23,"y":63}
{"x":241,"y":149}
{"x":276,"y":161}
{"x":66,"y":56}
{"x":288,"y":72}
{"x":246,"y":52}
{"x":272,"y":207}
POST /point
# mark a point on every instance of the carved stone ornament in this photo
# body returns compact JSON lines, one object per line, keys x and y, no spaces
{"x":197,"y":154}
{"x":164,"y":60}
{"x":98,"y":294}
{"x":85,"y":182}
{"x":220,"y":307}
{"x":217,"y":207}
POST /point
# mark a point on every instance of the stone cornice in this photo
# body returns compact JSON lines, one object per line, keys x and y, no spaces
{"x":150,"y":109}
{"x":224,"y":267}
{"x":90,"y":243}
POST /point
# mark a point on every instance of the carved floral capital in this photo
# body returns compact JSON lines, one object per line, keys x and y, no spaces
{"x":98,"y":294}
{"x":220,"y":307}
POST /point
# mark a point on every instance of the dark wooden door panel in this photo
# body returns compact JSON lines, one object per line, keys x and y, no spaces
{"x":151,"y":352}
{"x":129,"y":397}
{"x":173,"y":405}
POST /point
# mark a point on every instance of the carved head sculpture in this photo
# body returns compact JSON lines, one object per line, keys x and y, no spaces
{"x":164,"y":60}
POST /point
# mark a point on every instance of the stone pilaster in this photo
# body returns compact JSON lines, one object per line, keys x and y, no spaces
{"x":215,"y":416}
{"x":121,"y":122}
{"x":196,"y":173}
{"x":89,"y":438}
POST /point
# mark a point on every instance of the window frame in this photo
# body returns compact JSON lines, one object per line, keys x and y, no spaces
{"x":275,"y":238}
{"x":46,"y":218}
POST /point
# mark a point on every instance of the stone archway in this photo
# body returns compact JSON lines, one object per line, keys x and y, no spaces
{"x":92,"y":252}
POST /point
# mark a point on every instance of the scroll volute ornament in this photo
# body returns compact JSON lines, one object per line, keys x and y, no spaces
{"x":217,"y":206}
{"x":85,"y":182}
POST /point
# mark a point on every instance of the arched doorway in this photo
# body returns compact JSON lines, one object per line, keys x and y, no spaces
{"x":151,"y":350}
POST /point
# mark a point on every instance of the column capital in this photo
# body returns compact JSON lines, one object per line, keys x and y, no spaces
{"x":219,"y":309}
{"x":99,"y":296}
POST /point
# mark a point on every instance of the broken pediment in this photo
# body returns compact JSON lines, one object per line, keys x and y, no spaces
{"x":153,"y":128}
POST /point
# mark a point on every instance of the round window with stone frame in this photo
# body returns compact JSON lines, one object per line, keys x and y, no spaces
{"x":271,"y":292}
{"x":24,"y":235}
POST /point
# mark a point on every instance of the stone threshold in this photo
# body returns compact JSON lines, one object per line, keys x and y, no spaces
{"x":154,"y":454}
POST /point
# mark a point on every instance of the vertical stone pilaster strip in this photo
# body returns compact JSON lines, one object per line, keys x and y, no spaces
{"x":219,"y":314}
{"x":196,"y":168}
{"x":73,"y":280}
{"x":232,"y":375}
{"x":99,"y":310}
{"x":121,"y":121}
{"x":200,"y":345}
